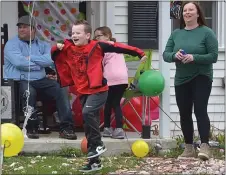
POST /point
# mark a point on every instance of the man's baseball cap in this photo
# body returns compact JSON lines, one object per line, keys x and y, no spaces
{"x":27,"y":20}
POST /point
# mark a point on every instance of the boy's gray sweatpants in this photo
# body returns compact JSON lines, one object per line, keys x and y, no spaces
{"x":91,"y":105}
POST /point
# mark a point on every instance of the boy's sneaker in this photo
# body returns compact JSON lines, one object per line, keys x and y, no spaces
{"x":92,"y":165}
{"x":107,"y":132}
{"x":118,"y":133}
{"x":94,"y":152}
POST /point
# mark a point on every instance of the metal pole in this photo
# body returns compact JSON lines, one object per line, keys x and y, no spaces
{"x":149,"y":112}
{"x":143,"y":110}
{"x":146,"y":129}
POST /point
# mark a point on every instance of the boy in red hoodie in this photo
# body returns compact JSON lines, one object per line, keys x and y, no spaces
{"x":79,"y":62}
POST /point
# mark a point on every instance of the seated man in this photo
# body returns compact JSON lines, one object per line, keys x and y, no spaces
{"x":17,"y":53}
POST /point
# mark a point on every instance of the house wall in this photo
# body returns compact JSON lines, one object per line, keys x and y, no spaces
{"x":9,"y":15}
{"x":216,"y":109}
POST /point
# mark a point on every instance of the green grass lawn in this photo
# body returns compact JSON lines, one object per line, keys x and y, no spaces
{"x":63,"y":165}
{"x":69,"y":160}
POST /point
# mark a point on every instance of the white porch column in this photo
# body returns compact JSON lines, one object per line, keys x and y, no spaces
{"x":92,"y":13}
{"x":224,"y":27}
{"x":110,"y":12}
{"x":96,"y":13}
{"x":224,"y":22}
{"x":164,"y":33}
{"x":220,"y":23}
{"x":102,"y":13}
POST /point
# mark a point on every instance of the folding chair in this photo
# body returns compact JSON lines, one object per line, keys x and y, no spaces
{"x":132,"y":91}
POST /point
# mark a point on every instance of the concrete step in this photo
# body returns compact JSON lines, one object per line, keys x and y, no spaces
{"x":51,"y":142}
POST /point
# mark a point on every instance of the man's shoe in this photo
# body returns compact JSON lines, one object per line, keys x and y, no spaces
{"x":32,"y":134}
{"x":68,"y":133}
{"x":204,"y":153}
{"x":92,"y":165}
{"x":94,"y":152}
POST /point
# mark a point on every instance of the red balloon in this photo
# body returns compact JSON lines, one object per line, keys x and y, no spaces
{"x":154,"y":102}
{"x":131,"y":115}
{"x":155,"y":114}
{"x":135,"y":104}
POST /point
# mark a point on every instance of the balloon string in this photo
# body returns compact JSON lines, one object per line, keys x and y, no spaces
{"x":8,"y":144}
{"x":2,"y":157}
{"x":28,"y":112}
{"x":28,"y":109}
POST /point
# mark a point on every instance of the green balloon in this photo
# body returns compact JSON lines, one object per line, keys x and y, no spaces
{"x":151,"y":83}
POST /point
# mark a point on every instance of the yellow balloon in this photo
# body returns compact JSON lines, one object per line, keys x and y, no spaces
{"x":140,"y":148}
{"x":12,"y":139}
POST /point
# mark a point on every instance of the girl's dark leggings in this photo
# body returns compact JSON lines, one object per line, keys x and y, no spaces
{"x":115,"y":94}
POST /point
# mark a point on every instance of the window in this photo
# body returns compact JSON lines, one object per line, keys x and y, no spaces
{"x":143,"y":24}
{"x":209,"y":10}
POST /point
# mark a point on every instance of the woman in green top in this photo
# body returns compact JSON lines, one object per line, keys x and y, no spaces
{"x":194,"y":49}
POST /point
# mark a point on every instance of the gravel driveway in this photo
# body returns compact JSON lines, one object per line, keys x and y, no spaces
{"x":176,"y":166}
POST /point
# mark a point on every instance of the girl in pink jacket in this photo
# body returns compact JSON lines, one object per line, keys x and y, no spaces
{"x":116,"y":73}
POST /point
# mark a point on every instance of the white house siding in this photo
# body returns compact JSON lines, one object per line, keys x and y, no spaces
{"x":121,"y":21}
{"x":216,"y":108}
{"x":9,"y":13}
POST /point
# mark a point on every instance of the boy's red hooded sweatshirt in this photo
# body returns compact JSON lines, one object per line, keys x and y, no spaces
{"x":82,"y":65}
